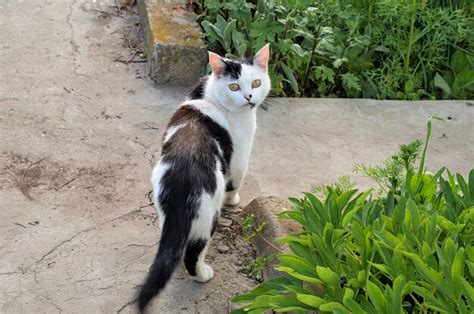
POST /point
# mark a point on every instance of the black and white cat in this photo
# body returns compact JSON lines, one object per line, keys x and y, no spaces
{"x":205,"y":153}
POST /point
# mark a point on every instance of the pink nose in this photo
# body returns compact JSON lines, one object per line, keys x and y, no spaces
{"x":248,"y":97}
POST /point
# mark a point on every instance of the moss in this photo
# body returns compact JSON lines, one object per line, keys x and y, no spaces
{"x":174,"y":25}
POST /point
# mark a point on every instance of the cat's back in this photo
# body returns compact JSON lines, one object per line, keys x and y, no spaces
{"x":194,"y":130}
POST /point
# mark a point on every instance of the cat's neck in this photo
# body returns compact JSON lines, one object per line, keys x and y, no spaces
{"x":233,"y":117}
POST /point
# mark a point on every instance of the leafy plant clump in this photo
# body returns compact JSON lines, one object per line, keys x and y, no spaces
{"x":407,"y":250}
{"x":384,"y":49}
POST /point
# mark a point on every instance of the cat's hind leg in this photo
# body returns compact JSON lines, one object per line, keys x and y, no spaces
{"x":202,"y":229}
{"x":201,"y":232}
{"x":194,"y":260}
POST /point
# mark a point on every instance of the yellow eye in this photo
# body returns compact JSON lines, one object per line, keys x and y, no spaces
{"x":234,"y":87}
{"x":256,"y":83}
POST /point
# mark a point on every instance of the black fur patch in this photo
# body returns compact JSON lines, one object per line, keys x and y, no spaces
{"x":196,"y":139}
{"x":230,"y":186}
{"x":223,"y":138}
{"x":233,"y":68}
{"x":193,"y":250}
{"x":198,"y":90}
{"x":248,"y":61}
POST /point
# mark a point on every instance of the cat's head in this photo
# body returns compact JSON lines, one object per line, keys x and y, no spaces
{"x":239,"y":85}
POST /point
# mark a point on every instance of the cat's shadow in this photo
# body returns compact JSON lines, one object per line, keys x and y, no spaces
{"x":184,"y":291}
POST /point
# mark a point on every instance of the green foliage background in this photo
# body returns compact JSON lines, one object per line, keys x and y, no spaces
{"x":384,"y":49}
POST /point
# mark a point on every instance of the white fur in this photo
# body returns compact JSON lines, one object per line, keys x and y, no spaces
{"x":204,"y":272}
{"x":160,"y":169}
{"x":209,"y":207}
{"x":242,"y":130}
{"x":217,"y":89}
{"x":231,"y":110}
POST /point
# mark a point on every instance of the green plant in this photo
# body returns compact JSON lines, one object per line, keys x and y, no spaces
{"x":250,"y":229}
{"x":342,"y":184}
{"x":408,"y":250}
{"x":458,"y":80}
{"x":389,"y":176}
{"x":253,"y":269}
{"x":338,"y":48}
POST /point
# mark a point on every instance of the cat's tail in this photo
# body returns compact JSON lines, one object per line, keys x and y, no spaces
{"x":173,"y":241}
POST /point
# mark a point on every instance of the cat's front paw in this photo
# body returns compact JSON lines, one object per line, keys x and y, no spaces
{"x":204,"y":273}
{"x":232,"y":200}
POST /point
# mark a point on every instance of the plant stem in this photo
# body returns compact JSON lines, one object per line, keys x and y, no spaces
{"x":310,"y":61}
{"x":369,"y":14}
{"x":410,"y":36}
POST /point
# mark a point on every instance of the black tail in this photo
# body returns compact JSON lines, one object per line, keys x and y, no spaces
{"x":172,"y":244}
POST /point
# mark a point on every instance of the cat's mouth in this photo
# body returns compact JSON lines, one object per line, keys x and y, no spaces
{"x":251,"y":104}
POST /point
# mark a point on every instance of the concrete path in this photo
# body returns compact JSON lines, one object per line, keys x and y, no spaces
{"x":302,"y":143}
{"x":80,"y":133}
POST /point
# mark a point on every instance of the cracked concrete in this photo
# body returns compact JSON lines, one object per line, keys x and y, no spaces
{"x":84,"y":241}
{"x":76,"y":137}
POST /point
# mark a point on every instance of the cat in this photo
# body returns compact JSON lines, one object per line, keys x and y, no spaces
{"x":205,"y":153}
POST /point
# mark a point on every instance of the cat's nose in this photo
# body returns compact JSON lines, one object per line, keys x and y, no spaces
{"x":248,"y":97}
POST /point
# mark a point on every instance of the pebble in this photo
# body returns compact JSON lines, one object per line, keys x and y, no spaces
{"x":223,"y":248}
{"x":234,"y":210}
{"x":225,"y":222}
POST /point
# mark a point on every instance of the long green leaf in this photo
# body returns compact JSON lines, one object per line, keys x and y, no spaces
{"x":311,"y":300}
{"x":290,"y":77}
{"x":376,"y":297}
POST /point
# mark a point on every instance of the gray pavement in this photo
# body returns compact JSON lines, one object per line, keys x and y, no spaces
{"x":79,"y":136}
{"x":302,"y":143}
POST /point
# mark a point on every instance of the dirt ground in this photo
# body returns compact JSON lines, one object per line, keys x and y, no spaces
{"x":79,"y":135}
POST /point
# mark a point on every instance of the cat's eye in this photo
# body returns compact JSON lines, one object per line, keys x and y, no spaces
{"x":234,"y":87}
{"x":256,"y":83}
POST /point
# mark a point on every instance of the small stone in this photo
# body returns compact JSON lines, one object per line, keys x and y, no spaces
{"x":223,"y":248}
{"x":225,"y":222}
{"x":235,"y":218}
{"x":234,"y":210}
{"x":218,"y":236}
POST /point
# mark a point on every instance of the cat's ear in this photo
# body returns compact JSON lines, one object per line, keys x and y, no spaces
{"x":262,"y":56}
{"x":217,"y":64}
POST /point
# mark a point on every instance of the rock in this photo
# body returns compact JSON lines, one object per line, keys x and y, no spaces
{"x":225,"y":230}
{"x":217,"y":236}
{"x":223,"y":248}
{"x":176,"y":53}
{"x":265,"y":209}
{"x":234,"y":210}
{"x":225,"y":222}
